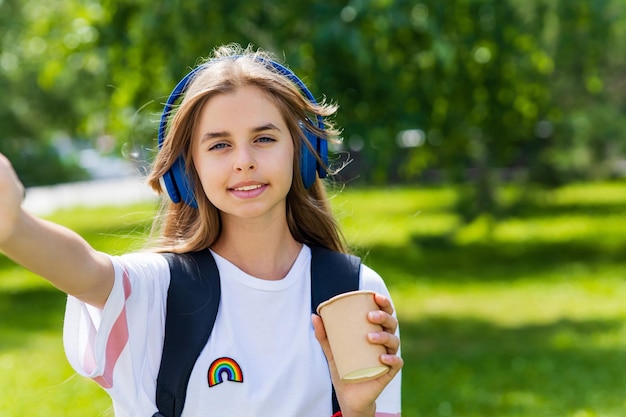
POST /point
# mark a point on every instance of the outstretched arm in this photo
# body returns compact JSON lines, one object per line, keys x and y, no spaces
{"x":49,"y":250}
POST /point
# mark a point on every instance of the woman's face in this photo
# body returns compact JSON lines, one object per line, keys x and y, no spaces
{"x":243,"y":153}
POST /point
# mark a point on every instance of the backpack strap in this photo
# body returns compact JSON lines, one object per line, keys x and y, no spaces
{"x":193,"y":299}
{"x":332,"y":273}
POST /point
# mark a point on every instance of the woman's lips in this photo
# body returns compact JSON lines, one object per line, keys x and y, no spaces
{"x":248,"y":190}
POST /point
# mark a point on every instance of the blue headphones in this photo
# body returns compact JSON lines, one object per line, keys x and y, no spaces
{"x":180,"y":187}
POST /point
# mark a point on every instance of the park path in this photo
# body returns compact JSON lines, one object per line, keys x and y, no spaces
{"x":104,"y":192}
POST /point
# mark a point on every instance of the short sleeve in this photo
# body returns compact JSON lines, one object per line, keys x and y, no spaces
{"x":119,"y":346}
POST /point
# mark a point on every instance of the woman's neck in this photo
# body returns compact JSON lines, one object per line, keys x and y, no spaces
{"x":265,"y":250}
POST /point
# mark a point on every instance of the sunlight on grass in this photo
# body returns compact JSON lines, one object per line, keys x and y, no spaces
{"x":597,"y":194}
{"x":371,"y":217}
{"x":16,"y":278}
{"x":603,"y":229}
{"x":523,"y":303}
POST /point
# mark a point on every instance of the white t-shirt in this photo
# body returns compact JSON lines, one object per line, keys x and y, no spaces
{"x":262,"y":358}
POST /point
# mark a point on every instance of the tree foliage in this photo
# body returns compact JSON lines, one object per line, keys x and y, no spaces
{"x":526,"y":90}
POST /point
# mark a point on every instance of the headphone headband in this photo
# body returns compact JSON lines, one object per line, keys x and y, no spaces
{"x":177,"y":183}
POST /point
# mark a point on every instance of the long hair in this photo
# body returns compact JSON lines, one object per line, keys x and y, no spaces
{"x":181,"y":228}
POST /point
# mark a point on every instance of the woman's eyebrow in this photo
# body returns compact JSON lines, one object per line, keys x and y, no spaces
{"x":267,"y":126}
{"x":213,"y":135}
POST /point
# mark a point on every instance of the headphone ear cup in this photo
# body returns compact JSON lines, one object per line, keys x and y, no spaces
{"x":170,"y":186}
{"x":176,"y":182}
{"x":322,"y":151}
{"x":178,"y":185}
{"x":308,"y":162}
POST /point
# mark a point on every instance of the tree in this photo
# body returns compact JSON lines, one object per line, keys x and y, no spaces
{"x":484,"y":90}
{"x":47,"y":76}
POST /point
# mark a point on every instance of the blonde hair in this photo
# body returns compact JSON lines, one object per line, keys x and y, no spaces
{"x":181,"y":228}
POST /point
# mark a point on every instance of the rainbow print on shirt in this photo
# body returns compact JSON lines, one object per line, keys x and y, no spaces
{"x":221,"y":367}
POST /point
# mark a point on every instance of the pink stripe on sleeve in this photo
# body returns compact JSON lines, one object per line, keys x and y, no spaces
{"x":118,"y":338}
{"x":89,"y":360}
{"x":387,"y":415}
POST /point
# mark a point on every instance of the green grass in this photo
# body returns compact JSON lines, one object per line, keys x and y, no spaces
{"x":520,"y":316}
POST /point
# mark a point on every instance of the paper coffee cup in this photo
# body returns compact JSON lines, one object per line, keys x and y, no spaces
{"x":347,"y":326}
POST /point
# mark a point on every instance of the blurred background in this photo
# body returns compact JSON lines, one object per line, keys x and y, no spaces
{"x":487,"y":181}
{"x":464,"y":91}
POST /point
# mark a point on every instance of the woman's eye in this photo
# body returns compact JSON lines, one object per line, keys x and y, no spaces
{"x":266,"y":139}
{"x":217,"y":146}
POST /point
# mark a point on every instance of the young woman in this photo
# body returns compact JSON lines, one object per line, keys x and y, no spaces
{"x":231,"y":159}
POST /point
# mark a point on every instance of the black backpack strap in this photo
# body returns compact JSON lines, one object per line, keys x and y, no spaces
{"x":332,"y":273}
{"x":193,"y":299}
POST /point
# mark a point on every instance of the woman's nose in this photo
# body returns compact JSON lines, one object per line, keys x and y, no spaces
{"x":244,"y":160}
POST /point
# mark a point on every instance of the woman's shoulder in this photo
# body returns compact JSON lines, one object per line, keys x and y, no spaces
{"x":141,"y":264}
{"x":371,"y":280}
